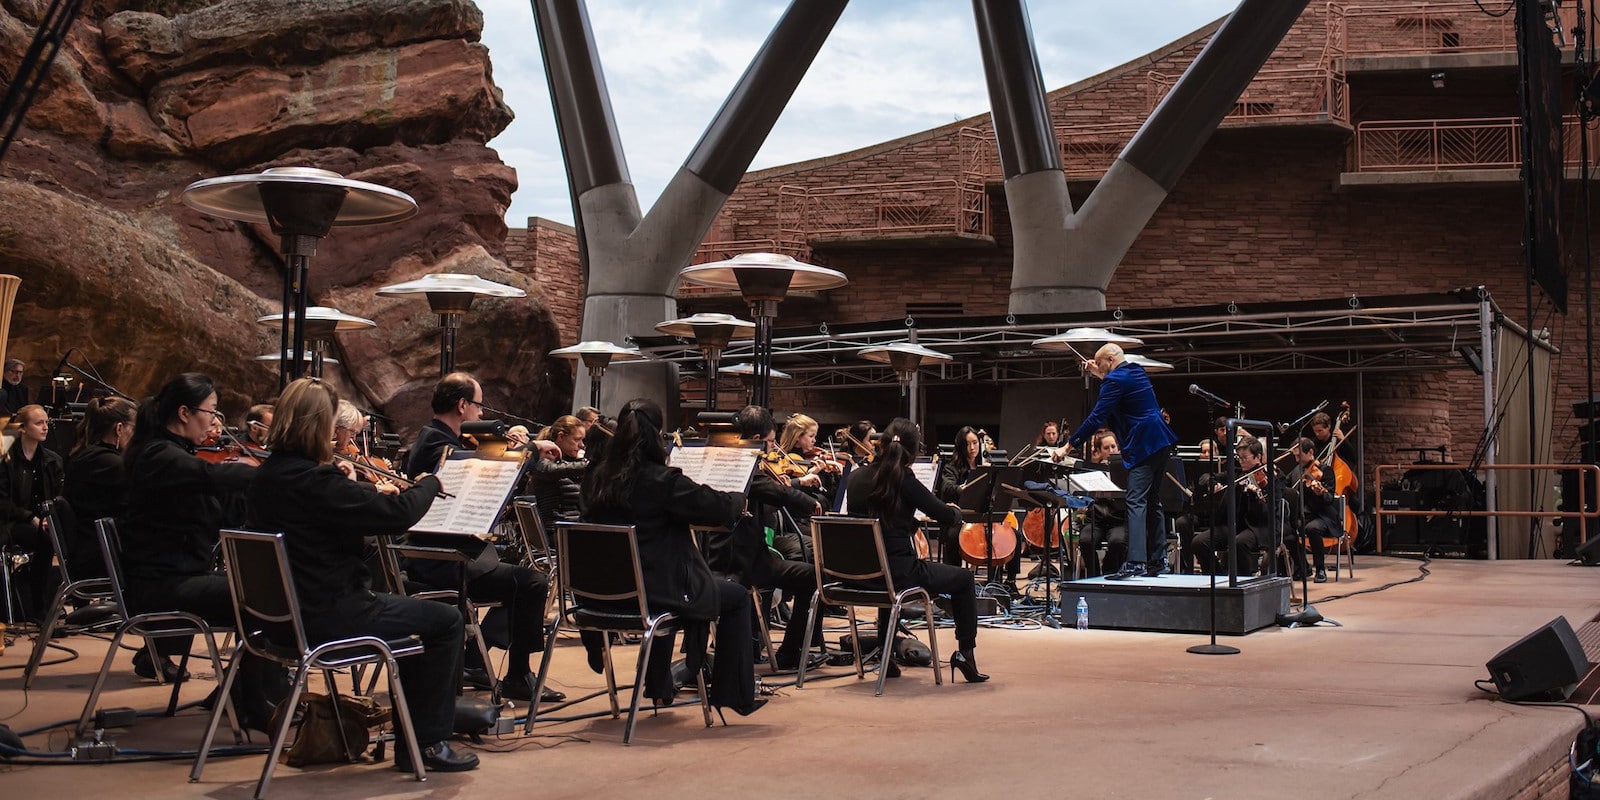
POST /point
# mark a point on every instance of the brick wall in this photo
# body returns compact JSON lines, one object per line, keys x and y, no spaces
{"x":548,"y":252}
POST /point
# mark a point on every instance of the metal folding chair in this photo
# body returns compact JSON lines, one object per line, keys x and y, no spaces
{"x":390,"y":553}
{"x":600,"y":567}
{"x":270,"y":626}
{"x":853,"y":570}
{"x":59,"y":519}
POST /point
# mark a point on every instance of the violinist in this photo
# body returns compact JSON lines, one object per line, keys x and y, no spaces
{"x":323,"y":528}
{"x":458,"y":398}
{"x":777,"y":503}
{"x":95,"y":486}
{"x":597,"y":434}
{"x":857,"y":441}
{"x":1250,"y":495}
{"x":1107,"y":517}
{"x":257,"y":421}
{"x":822,"y":471}
{"x":557,"y":483}
{"x":1318,"y":514}
{"x":348,"y":423}
{"x":1049,"y":439}
{"x":30,"y":476}
{"x":176,"y":505}
{"x":888,"y":491}
{"x":955,"y":472}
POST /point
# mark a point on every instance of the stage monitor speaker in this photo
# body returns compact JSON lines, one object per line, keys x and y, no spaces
{"x":1545,"y":665}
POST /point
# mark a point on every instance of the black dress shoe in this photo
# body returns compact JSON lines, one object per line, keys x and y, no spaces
{"x":476,"y":677}
{"x":1130,"y":569}
{"x":1322,"y":576}
{"x":791,"y":663}
{"x":170,"y":672}
{"x":436,"y":757}
{"x":521,"y":688}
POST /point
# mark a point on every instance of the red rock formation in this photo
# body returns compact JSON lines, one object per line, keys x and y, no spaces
{"x":141,"y":103}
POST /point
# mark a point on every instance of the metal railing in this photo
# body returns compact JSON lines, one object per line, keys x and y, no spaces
{"x":1293,"y":94}
{"x":949,"y":206}
{"x":1444,"y":144}
{"x":1583,"y":517}
{"x":1087,"y":151}
{"x":1427,"y":28}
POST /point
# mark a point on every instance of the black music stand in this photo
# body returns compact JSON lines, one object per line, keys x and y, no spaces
{"x":1051,"y":504}
{"x":977,"y":504}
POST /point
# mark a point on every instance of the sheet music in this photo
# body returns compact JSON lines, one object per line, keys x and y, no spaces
{"x":1093,"y":482}
{"x":927,"y":472}
{"x":726,"y":469}
{"x":481,"y":487}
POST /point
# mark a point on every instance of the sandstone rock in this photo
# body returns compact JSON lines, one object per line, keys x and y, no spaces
{"x":65,"y":104}
{"x":131,"y":134}
{"x":150,"y":47}
{"x":423,"y":93}
{"x":145,"y":310}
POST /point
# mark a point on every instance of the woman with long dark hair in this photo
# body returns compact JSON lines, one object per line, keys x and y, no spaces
{"x":169,"y":535}
{"x":324,"y":516}
{"x":95,"y":485}
{"x":887,"y":490}
{"x":631,"y":484}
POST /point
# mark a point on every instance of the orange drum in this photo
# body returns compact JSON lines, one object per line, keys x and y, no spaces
{"x":975,"y":553}
{"x":1034,"y":525}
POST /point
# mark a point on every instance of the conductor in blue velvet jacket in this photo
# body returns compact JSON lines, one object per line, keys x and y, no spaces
{"x":1127,"y":405}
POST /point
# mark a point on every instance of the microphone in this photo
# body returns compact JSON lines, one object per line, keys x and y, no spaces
{"x":63,"y":363}
{"x":1195,"y":390}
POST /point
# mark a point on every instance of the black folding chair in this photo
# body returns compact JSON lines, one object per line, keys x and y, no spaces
{"x":59,"y":519}
{"x":390,"y":553}
{"x":150,"y":626}
{"x":853,"y":570}
{"x":600,"y":567}
{"x":270,"y":626}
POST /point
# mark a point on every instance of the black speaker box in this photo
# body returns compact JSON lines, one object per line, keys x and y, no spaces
{"x":1544,"y":665}
{"x":1589,"y":552}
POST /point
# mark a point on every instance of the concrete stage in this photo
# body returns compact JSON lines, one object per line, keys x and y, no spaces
{"x":1382,"y":707}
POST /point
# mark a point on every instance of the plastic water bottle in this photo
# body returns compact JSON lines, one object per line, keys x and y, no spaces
{"x":1083,"y":614}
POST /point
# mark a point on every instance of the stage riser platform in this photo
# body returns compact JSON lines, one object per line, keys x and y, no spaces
{"x":1176,"y":604}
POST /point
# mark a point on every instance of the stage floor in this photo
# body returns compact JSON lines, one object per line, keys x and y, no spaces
{"x":1381,"y":707}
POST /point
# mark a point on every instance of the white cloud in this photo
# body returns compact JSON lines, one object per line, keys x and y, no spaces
{"x":889,"y":68}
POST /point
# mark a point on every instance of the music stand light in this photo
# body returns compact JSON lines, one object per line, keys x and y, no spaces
{"x":301,"y":205}
{"x":711,"y":333}
{"x":905,"y":358}
{"x":763,"y":280}
{"x":321,"y":323}
{"x":596,"y":356}
{"x":450,"y":296}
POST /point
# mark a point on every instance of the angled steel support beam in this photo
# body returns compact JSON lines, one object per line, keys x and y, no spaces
{"x":1022,"y":130}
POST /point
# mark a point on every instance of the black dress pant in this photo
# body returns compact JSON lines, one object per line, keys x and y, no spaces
{"x":261,"y":684}
{"x":798,"y":580}
{"x":1314,"y":531}
{"x":733,"y":671}
{"x":521,"y":592}
{"x":1114,"y":537}
{"x":1207,"y":543}
{"x":938,"y":579}
{"x":432,"y":678}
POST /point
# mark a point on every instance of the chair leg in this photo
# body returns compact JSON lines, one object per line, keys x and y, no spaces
{"x":172,"y":698}
{"x":223,"y":693}
{"x":933,"y":642}
{"x":543,"y":677}
{"x":282,"y":733}
{"x":225,"y":698}
{"x":100,"y":683}
{"x":811,"y":627}
{"x":611,"y":675}
{"x":855,"y":641}
{"x":46,"y":631}
{"x":700,"y":679}
{"x":402,"y":711}
{"x":886,"y":648}
{"x":766,"y":632}
{"x":638,"y":681}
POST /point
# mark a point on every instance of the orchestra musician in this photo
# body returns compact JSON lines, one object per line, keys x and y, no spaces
{"x":257,"y":421}
{"x":557,"y":481}
{"x":1050,"y":440}
{"x":955,"y":472}
{"x":889,"y":491}
{"x":1127,"y":406}
{"x":1200,"y":507}
{"x":857,"y":440}
{"x":1317,"y":513}
{"x":631,"y":484}
{"x":799,"y":442}
{"x":458,"y":398}
{"x":13,"y":392}
{"x":324,"y":514}
{"x":95,"y":486}
{"x":776,"y":502}
{"x":1107,"y":517}
{"x":176,"y":505}
{"x":1251,"y":497}
{"x":30,"y":476}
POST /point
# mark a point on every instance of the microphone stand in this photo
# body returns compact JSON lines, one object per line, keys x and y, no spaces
{"x":1229,"y":435}
{"x":506,"y":414}
{"x":93,"y":379}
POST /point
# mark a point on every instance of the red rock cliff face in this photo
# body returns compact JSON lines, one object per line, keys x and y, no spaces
{"x":143,"y":102}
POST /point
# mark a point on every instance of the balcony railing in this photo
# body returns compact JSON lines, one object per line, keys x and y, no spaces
{"x":1427,"y":28}
{"x":930,"y":207}
{"x":1294,"y":94}
{"x":1448,"y":144}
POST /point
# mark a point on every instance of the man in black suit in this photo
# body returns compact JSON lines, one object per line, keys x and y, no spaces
{"x":15,"y":395}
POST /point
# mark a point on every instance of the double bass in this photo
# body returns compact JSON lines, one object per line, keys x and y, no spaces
{"x":1344,"y":479}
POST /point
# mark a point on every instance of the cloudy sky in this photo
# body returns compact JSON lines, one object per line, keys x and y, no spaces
{"x":890,"y":68}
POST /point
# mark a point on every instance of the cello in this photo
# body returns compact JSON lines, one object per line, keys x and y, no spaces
{"x":1345,"y":483}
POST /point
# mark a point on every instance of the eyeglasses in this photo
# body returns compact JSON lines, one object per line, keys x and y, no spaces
{"x":213,"y":412}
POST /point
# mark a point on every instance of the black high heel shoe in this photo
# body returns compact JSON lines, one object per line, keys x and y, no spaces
{"x":743,"y":712}
{"x":962,"y":660}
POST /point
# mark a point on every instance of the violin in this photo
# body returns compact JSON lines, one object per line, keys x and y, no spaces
{"x":1312,"y":478}
{"x":781,"y":467}
{"x":821,"y":459}
{"x":369,"y":468}
{"x":214,"y":450}
{"x":859,"y":450}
